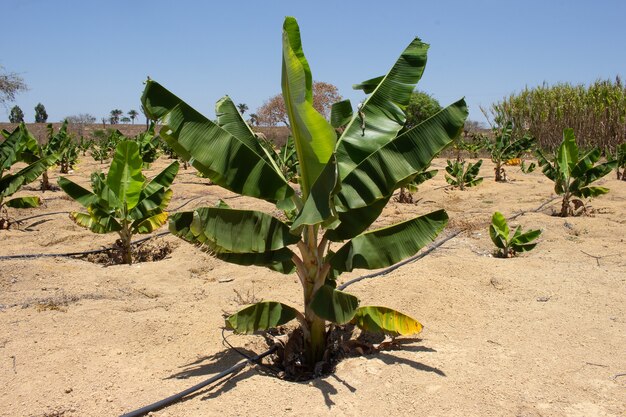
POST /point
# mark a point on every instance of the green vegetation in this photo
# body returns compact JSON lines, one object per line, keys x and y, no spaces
{"x":461,"y":177}
{"x":505,"y":147}
{"x":123,"y":201}
{"x":509,"y":246}
{"x":596,"y":112}
{"x":20,"y":146}
{"x":16,"y":115}
{"x":345,"y":182}
{"x":573,"y":173}
{"x":620,"y":160}
{"x":41,"y":116}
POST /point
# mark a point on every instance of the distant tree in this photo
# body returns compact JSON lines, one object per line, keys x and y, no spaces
{"x":40,"y":114}
{"x":114,"y":116}
{"x":421,"y":107}
{"x":254,"y":119}
{"x":17,"y":115}
{"x":243,"y":107}
{"x":133,"y":115}
{"x":473,"y":126}
{"x":125,"y":119}
{"x":10,"y":85}
{"x":78,"y":122}
{"x":82,"y":118}
{"x":273,"y":110}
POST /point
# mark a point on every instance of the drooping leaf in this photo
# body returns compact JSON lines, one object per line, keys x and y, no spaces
{"x":523,"y":241}
{"x":383,"y":110}
{"x":78,"y":193}
{"x":96,"y":221}
{"x":340,"y":113}
{"x":384,"y":247}
{"x":149,"y":224}
{"x":23,"y":202}
{"x":261,"y":316}
{"x":9,"y":184}
{"x":383,"y":320}
{"x":314,"y":137}
{"x":353,"y":222}
{"x":333,"y":305}
{"x":380,"y":173}
{"x":368,"y":86}
{"x":237,"y":164}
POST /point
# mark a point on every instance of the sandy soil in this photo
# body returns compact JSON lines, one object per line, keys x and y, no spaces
{"x":543,"y":334}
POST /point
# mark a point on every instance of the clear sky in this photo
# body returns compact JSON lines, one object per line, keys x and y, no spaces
{"x":82,"y":56}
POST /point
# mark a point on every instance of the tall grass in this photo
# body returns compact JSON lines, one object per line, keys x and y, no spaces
{"x":597,"y":113}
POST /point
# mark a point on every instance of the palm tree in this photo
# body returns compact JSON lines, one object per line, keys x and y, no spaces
{"x":242,"y":107}
{"x":115,"y":116}
{"x":254,"y":119}
{"x":133,"y":115}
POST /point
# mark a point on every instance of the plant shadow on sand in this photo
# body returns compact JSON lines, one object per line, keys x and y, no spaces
{"x":327,"y":383}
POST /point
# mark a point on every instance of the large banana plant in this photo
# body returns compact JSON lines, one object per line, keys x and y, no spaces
{"x":573,"y":173}
{"x":345,"y":182}
{"x":20,"y":146}
{"x":123,"y":201}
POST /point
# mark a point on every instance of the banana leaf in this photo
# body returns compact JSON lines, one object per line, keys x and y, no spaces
{"x":385,"y":320}
{"x":261,"y":316}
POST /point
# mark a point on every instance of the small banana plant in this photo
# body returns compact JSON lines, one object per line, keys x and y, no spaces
{"x":504,"y":148}
{"x":508,"y":246}
{"x":573,"y":173}
{"x":148,"y":146}
{"x":406,"y":191}
{"x":461,"y":177}
{"x":19,"y":146}
{"x":123,"y":201}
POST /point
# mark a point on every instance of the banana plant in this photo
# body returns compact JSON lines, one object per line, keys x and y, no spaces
{"x":509,"y":246}
{"x":461,"y":177}
{"x":573,"y":173}
{"x":407,"y":191}
{"x":344,"y":184}
{"x":148,"y":146}
{"x":20,"y":146}
{"x":123,"y":201}
{"x":505,"y":147}
{"x":620,"y":160}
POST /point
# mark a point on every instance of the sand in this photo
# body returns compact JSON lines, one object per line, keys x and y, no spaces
{"x":542,"y":334}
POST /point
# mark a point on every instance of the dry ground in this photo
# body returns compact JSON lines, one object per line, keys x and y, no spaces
{"x":543,"y":334}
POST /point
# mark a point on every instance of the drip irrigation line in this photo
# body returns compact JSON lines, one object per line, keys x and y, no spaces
{"x":177,"y":397}
{"x":41,"y":215}
{"x":431,"y":248}
{"x":89,"y":252}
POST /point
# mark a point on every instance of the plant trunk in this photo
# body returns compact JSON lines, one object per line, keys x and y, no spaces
{"x":498,"y":171}
{"x":45,"y":181}
{"x":125,"y":236}
{"x":565,"y":205}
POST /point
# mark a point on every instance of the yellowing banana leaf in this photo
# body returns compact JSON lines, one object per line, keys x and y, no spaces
{"x":314,"y":137}
{"x":97,"y":223}
{"x":24,"y":202}
{"x":125,"y":179}
{"x":237,"y":164}
{"x":333,"y":305}
{"x":149,"y":224}
{"x":385,"y":320}
{"x":261,"y":316}
{"x":380,"y":173}
{"x":382,"y":113}
{"x":384,"y":247}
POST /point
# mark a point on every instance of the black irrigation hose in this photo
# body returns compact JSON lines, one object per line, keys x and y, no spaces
{"x":177,"y":397}
{"x":41,"y":215}
{"x":89,"y":252}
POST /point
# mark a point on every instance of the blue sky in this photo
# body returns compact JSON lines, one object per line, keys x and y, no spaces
{"x":93,"y":56}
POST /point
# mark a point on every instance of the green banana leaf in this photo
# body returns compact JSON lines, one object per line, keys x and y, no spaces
{"x":384,"y":247}
{"x":499,"y":230}
{"x":163,"y":179}
{"x":314,"y":137}
{"x":83,"y":196}
{"x":380,"y":173}
{"x":383,"y":320}
{"x":567,"y":154}
{"x":383,"y":110}
{"x":125,"y":179}
{"x":23,"y":202}
{"x":523,"y":242}
{"x":354,"y":222}
{"x":320,"y":206}
{"x":237,"y":164}
{"x":261,"y":316}
{"x":340,"y":113}
{"x":333,"y":305}
{"x":9,"y":184}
